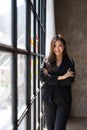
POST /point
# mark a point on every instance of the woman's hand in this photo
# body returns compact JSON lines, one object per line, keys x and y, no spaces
{"x":68,"y":74}
{"x":45,"y":71}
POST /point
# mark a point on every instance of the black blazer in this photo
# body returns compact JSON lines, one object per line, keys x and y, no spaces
{"x":54,"y":90}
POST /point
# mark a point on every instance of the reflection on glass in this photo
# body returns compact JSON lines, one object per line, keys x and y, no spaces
{"x":32,"y":116}
{"x":36,"y":73}
{"x":37,"y":124}
{"x":37,"y":6}
{"x":32,"y":1}
{"x":5,"y":22}
{"x":21,"y":83}
{"x":36,"y":36}
{"x":32,"y":76}
{"x":41,"y":103}
{"x":22,"y":126}
{"x":21,"y":22}
{"x":42,"y":14}
{"x":32,"y":31}
{"x":5,"y":91}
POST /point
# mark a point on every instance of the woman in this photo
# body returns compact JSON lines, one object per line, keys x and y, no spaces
{"x":57,"y":73}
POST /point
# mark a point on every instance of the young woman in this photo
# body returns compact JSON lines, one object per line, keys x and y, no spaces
{"x":57,"y":73}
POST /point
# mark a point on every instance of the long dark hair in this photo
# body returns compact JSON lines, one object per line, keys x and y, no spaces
{"x":52,"y":57}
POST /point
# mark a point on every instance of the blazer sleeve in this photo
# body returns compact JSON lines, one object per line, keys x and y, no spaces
{"x":70,"y":80}
{"x":49,"y":79}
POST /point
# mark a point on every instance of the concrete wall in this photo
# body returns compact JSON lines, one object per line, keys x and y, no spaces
{"x":50,"y":24}
{"x":71,"y":21}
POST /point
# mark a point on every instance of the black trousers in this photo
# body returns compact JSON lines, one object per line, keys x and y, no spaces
{"x":57,"y":115}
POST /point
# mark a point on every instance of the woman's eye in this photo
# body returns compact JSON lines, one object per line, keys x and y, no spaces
{"x":55,"y":46}
{"x":61,"y":46}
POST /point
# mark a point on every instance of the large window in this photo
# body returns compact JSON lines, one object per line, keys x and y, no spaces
{"x":22,"y":48}
{"x":21,"y":76}
{"x":21,"y":23}
{"x":5,"y":22}
{"x":5,"y":89}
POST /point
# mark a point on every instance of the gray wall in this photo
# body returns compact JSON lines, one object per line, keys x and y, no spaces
{"x":71,"y":21}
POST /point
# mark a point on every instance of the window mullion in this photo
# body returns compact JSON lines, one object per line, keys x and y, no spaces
{"x":14,"y":64}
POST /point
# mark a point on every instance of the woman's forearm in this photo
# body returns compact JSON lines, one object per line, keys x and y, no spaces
{"x":66,"y":75}
{"x":61,"y":77}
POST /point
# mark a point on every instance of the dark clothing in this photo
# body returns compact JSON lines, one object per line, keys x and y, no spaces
{"x":57,"y":116}
{"x":54,"y":90}
{"x":57,"y":93}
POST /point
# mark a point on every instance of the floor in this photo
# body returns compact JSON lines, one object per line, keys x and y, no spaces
{"x":76,"y":123}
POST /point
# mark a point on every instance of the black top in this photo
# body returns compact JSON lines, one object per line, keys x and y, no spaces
{"x":54,"y":90}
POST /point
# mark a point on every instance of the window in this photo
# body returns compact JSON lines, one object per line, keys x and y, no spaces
{"x":21,"y":76}
{"x":32,"y":31}
{"x":37,"y":73}
{"x":21,"y":23}
{"x":32,"y":76}
{"x":5,"y":22}
{"x":37,"y":38}
{"x":5,"y":90}
{"x":22,"y":45}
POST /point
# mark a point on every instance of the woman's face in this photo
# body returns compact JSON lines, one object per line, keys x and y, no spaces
{"x":58,"y":48}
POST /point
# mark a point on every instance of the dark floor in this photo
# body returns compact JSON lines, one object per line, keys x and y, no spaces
{"x":76,"y":123}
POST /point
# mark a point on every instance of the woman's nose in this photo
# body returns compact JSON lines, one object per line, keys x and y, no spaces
{"x":57,"y":48}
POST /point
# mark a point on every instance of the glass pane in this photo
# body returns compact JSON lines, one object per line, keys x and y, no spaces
{"x":22,"y":126}
{"x":37,"y":6}
{"x":32,"y":76}
{"x":37,"y":123}
{"x":36,"y":73}
{"x":32,"y":1}
{"x":32,"y":116}
{"x":42,"y":43}
{"x":21,"y":22}
{"x":42,"y":14}
{"x":32,"y":31}
{"x":5,"y":22}
{"x":36,"y":36}
{"x":5,"y":91}
{"x":21,"y":83}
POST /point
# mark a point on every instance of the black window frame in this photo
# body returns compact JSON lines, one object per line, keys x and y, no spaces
{"x":40,"y":17}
